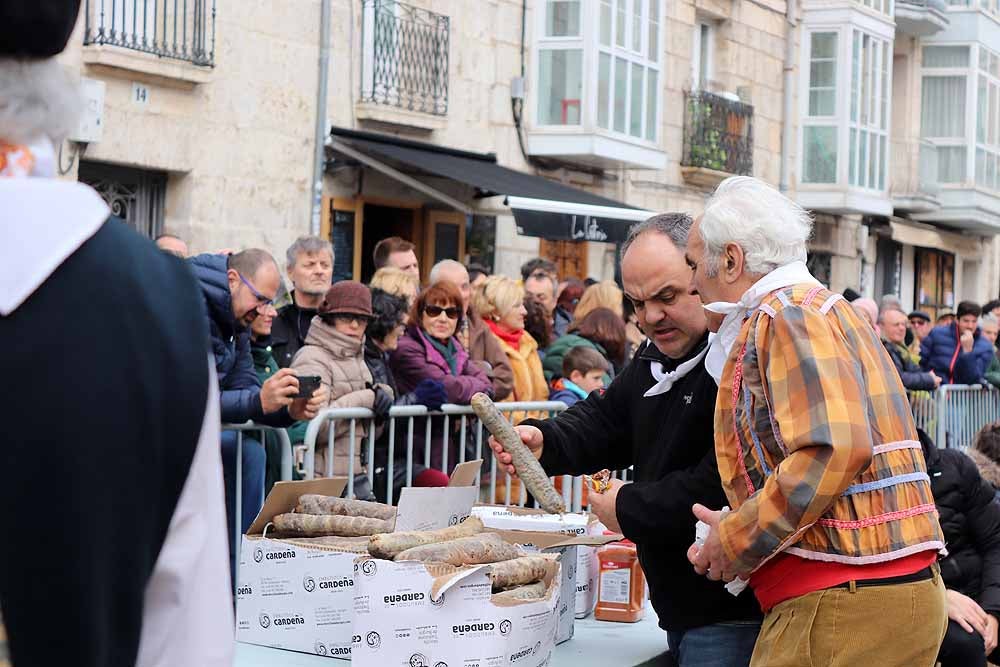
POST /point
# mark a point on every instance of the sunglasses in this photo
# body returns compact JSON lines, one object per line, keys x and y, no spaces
{"x":434,"y":311}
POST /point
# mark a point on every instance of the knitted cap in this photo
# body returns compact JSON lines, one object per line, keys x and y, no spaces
{"x":36,"y":28}
{"x":348,"y":297}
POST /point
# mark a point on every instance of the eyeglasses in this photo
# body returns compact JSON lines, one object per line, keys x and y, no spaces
{"x":262,"y":300}
{"x":351,"y":318}
{"x":434,"y":311}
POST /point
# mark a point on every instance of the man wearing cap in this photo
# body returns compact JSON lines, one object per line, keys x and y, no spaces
{"x":235,"y":289}
{"x":920,"y":325}
{"x":116,"y":555}
{"x":334,"y":351}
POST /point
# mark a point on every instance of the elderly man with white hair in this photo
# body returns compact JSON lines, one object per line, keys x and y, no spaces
{"x":482,"y":346}
{"x":110,"y":385}
{"x":832,"y":521}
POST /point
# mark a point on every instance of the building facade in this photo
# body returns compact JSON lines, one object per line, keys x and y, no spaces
{"x":497,"y":130}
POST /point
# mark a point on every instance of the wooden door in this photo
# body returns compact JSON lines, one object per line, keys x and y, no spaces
{"x":569,"y":256}
{"x":444,"y":238}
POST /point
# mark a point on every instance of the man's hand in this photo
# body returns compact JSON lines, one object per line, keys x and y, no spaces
{"x":991,"y":633}
{"x":968,"y":340}
{"x":710,"y":558}
{"x":278,"y":391}
{"x":304,"y":409}
{"x":966,"y":612}
{"x":937,"y":380}
{"x":605,"y":505}
{"x":530,"y":436}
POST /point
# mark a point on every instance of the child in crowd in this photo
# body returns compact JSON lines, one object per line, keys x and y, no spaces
{"x":583,"y":370}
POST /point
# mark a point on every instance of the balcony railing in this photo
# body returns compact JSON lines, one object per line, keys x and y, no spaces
{"x":718,"y":133}
{"x":405,"y":62}
{"x":179,"y":29}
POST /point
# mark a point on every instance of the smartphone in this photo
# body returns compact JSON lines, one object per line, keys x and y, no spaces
{"x":308,"y":384}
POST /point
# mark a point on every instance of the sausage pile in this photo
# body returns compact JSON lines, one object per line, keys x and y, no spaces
{"x":366,"y":527}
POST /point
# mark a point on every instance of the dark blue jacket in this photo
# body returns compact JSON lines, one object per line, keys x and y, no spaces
{"x":239,"y":385}
{"x":938,"y":349}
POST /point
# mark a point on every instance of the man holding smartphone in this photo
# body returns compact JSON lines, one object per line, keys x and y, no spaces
{"x":236,"y":289}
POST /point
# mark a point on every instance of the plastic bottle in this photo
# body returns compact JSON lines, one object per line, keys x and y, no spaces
{"x":621,"y":586}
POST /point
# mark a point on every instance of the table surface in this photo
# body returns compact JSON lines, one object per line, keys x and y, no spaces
{"x":592,"y":644}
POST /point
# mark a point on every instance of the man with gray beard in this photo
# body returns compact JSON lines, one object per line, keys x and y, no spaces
{"x":310,"y":268}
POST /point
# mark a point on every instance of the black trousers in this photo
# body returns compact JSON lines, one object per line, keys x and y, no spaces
{"x":964,"y":649}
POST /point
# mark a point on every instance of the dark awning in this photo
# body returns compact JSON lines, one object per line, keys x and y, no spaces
{"x":540,"y":207}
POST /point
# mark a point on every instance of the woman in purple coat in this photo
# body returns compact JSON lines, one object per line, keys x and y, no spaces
{"x":429,"y":349}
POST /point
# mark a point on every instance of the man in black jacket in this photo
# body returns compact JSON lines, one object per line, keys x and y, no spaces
{"x":970,"y":519}
{"x":893,"y":324}
{"x":310,"y":269}
{"x":658,"y":416}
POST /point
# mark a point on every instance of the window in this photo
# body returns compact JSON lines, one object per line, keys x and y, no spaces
{"x":625,"y":50}
{"x":404,"y":57}
{"x":702,"y":61}
{"x":134,"y":195}
{"x":884,"y":6}
{"x":820,"y":130}
{"x":943,"y":108}
{"x":628,"y":67}
{"x":988,"y":120}
{"x":869,"y":116}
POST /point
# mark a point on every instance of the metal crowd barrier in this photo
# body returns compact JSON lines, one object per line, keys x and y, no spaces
{"x":954,"y":413}
{"x":962,"y":410}
{"x":470,"y":438}
{"x":286,"y":471}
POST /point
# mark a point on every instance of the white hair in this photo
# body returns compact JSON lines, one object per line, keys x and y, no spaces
{"x":989,"y":319}
{"x":37,"y":97}
{"x":435,"y":274}
{"x":771,"y":229}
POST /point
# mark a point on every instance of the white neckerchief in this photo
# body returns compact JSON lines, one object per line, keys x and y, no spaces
{"x":44,"y":221}
{"x":795,"y":273}
{"x":666,"y":379}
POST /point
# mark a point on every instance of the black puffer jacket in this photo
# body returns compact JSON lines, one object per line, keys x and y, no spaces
{"x":971,"y":521}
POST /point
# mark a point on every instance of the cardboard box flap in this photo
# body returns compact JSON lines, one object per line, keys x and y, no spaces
{"x":443,"y":583}
{"x":428,"y":508}
{"x":285,"y":496}
{"x":544,"y":541}
{"x":464,"y":474}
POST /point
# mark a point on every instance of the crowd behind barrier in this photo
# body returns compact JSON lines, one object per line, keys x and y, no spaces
{"x":954,"y":413}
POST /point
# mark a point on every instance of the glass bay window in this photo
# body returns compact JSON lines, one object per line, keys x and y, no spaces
{"x":598,"y":70}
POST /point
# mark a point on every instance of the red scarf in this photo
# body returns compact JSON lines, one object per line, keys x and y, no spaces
{"x":512,"y":338}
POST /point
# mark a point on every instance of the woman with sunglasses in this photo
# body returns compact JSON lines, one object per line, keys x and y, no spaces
{"x":429,"y":350}
{"x":334,"y":351}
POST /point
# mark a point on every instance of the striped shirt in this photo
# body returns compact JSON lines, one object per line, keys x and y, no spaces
{"x":816,"y":445}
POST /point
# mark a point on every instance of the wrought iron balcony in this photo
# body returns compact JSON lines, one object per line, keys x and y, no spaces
{"x":718,"y":134}
{"x":405,"y":61}
{"x":179,"y":29}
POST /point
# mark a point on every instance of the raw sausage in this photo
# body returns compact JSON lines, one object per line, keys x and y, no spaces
{"x":525,"y":463}
{"x":483,"y":548}
{"x":390,"y":544}
{"x":312,"y":503}
{"x":325,"y":524}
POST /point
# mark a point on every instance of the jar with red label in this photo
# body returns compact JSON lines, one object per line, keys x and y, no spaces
{"x":621,"y":585}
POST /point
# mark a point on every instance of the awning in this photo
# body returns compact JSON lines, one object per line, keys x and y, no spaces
{"x":540,"y":207}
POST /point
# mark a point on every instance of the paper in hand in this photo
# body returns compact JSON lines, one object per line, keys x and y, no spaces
{"x":701,"y":532}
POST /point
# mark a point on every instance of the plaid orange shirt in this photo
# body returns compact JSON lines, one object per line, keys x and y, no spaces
{"x":816,"y":445}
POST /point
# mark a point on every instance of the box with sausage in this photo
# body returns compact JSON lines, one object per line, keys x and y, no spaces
{"x":576,"y":536}
{"x":297,"y":561}
{"x":417,"y":614}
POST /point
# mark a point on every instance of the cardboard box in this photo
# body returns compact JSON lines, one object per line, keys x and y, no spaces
{"x":298,"y":596}
{"x":526,"y":527}
{"x":409,"y":614}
